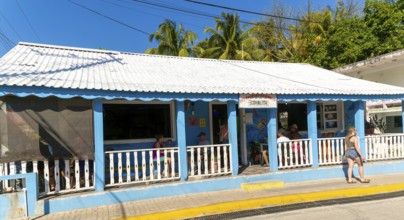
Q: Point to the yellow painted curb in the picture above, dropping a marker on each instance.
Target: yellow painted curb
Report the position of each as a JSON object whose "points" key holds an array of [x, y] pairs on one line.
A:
{"points": [[270, 201], [262, 185]]}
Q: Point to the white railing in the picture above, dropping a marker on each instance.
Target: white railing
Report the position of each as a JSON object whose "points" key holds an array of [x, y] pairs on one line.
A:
{"points": [[295, 153], [330, 150], [57, 176], [209, 160], [144, 165], [384, 147]]}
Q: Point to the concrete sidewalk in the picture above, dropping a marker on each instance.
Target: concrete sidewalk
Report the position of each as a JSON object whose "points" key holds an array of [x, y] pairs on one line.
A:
{"points": [[188, 206]]}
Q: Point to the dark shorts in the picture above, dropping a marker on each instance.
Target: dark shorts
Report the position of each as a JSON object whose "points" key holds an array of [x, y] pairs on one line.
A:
{"points": [[352, 154]]}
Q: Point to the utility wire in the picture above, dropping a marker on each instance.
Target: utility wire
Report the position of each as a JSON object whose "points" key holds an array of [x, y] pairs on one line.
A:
{"points": [[26, 19], [250, 12], [165, 6], [11, 26], [147, 13], [7, 43], [109, 18]]}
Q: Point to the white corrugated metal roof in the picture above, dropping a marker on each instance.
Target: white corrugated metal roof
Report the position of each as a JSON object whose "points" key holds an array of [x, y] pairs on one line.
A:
{"points": [[78, 68]]}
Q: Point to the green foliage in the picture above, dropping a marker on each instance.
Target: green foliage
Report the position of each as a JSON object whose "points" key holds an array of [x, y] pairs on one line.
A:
{"points": [[328, 38], [172, 41]]}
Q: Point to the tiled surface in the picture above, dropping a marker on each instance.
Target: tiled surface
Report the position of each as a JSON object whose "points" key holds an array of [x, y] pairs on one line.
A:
{"points": [[201, 199]]}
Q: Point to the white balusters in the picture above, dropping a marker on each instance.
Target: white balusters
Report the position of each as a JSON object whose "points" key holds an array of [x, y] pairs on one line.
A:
{"points": [[56, 175], [136, 167], [225, 158], [192, 162], [111, 169], [23, 166], [173, 163], [294, 153], [128, 178], [77, 173], [385, 147], [67, 174], [86, 174], [144, 166], [148, 165], [151, 165], [209, 160], [120, 168], [205, 160], [46, 175]]}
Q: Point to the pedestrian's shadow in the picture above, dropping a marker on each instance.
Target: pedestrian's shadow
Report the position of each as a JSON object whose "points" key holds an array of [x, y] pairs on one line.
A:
{"points": [[345, 170]]}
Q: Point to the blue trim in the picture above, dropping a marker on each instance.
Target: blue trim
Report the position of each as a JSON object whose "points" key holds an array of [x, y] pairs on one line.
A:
{"points": [[31, 180], [43, 92], [232, 129], [312, 130], [181, 140], [272, 144], [99, 145], [402, 114], [119, 196], [342, 97], [360, 124]]}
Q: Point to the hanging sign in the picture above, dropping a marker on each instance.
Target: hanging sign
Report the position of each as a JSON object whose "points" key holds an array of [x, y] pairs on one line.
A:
{"points": [[257, 101]]}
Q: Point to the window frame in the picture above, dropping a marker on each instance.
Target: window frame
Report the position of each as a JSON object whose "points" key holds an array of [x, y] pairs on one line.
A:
{"points": [[144, 140]]}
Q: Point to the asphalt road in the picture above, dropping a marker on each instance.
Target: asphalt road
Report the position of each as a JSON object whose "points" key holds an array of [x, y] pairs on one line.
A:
{"points": [[390, 209]]}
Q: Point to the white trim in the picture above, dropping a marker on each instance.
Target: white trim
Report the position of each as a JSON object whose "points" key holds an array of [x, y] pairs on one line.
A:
{"points": [[145, 140]]}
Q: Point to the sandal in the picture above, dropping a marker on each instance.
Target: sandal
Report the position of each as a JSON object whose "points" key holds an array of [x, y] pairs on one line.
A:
{"points": [[351, 181], [365, 181]]}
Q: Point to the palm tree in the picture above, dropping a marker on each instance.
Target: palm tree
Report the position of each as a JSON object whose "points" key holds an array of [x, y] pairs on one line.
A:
{"points": [[228, 40], [172, 41]]}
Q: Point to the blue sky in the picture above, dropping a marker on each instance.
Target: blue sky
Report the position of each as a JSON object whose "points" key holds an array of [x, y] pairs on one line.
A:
{"points": [[60, 22]]}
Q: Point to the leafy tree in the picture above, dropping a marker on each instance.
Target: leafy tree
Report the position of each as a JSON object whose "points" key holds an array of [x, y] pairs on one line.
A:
{"points": [[385, 19], [172, 41], [228, 40]]}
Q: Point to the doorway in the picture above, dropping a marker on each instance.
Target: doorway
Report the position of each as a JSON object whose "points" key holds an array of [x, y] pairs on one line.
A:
{"points": [[218, 116]]}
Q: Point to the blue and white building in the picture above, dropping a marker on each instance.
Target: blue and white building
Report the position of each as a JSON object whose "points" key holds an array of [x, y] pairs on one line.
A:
{"points": [[82, 120]]}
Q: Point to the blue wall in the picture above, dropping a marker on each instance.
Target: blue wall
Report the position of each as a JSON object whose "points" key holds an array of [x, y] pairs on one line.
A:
{"points": [[181, 188], [201, 110], [349, 114]]}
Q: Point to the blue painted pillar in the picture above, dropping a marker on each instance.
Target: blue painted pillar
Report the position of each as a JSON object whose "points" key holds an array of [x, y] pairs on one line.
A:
{"points": [[181, 140], [272, 145], [312, 130], [232, 129], [360, 124], [402, 113], [99, 145]]}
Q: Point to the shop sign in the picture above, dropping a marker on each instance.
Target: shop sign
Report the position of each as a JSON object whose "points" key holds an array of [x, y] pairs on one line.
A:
{"points": [[257, 101]]}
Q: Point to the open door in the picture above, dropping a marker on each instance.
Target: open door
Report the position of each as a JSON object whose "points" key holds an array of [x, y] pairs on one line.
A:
{"points": [[218, 117]]}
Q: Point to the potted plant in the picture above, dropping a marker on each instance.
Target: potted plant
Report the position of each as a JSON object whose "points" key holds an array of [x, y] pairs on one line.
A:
{"points": [[379, 124], [369, 127]]}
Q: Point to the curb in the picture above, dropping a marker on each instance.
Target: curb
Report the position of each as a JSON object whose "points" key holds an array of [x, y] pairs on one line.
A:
{"points": [[270, 201]]}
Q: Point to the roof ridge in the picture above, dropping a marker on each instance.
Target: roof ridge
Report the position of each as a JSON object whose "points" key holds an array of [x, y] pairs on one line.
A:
{"points": [[68, 48], [150, 55]]}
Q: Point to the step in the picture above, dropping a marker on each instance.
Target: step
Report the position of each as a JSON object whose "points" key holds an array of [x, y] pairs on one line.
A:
{"points": [[271, 184]]}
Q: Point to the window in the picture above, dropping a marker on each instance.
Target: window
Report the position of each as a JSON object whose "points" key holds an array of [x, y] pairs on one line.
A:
{"points": [[398, 121], [136, 121], [328, 115], [290, 114]]}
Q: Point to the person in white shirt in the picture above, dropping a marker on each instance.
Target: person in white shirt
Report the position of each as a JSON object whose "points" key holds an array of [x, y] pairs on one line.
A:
{"points": [[281, 137]]}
